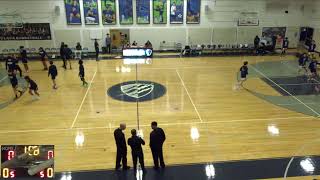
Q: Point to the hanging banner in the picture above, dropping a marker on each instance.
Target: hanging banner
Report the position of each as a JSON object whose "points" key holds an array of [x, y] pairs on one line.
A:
{"points": [[73, 13], [91, 13], [143, 11], [108, 8], [176, 11], [160, 11], [28, 31], [193, 11], [125, 12]]}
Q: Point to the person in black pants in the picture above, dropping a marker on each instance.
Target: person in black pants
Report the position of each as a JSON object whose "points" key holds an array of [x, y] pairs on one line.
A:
{"points": [[121, 147], [53, 72], [12, 64], [68, 55], [256, 42], [62, 55], [135, 143], [33, 88], [96, 47], [285, 45], [81, 73], [14, 83], [108, 43], [157, 138], [24, 58]]}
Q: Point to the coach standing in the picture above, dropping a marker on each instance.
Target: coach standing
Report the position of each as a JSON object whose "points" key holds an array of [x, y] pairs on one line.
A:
{"points": [[121, 147], [157, 138]]}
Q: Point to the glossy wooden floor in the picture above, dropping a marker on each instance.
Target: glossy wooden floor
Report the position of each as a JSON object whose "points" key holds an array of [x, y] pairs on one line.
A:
{"points": [[232, 125]]}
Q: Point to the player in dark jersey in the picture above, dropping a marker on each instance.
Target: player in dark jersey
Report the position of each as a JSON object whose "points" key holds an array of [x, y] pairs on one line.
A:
{"points": [[285, 45], [81, 73], [53, 72], [24, 58], [243, 74], [33, 88], [12, 64], [43, 55], [313, 69], [14, 82], [303, 59], [68, 54]]}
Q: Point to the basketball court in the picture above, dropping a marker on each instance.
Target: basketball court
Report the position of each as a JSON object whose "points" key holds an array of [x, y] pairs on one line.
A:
{"points": [[205, 120], [175, 62]]}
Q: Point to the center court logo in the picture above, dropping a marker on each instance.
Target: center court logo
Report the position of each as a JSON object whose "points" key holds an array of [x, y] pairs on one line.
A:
{"points": [[132, 91]]}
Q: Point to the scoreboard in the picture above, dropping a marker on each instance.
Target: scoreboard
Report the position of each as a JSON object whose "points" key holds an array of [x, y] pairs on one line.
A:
{"points": [[27, 161]]}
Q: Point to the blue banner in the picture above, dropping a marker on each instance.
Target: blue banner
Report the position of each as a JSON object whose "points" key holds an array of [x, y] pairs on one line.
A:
{"points": [[193, 11], [125, 12], [143, 11], [73, 13], [91, 13], [176, 11]]}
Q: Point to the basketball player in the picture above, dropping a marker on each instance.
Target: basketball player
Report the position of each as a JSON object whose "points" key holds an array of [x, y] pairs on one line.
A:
{"points": [[313, 69], [12, 64], [68, 54], [24, 58], [33, 88], [243, 74], [53, 72], [43, 54], [14, 83], [285, 45], [81, 73], [302, 63]]}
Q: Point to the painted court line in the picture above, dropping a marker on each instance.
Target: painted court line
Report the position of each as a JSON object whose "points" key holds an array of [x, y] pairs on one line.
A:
{"points": [[296, 84], [292, 104], [185, 88], [109, 126], [286, 91], [84, 97], [5, 77]]}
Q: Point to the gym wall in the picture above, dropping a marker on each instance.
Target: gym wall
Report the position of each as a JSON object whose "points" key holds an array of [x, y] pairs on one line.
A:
{"points": [[218, 23]]}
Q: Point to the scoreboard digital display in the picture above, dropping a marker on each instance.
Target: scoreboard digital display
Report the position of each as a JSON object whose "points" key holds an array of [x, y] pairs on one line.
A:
{"points": [[137, 52], [27, 161]]}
